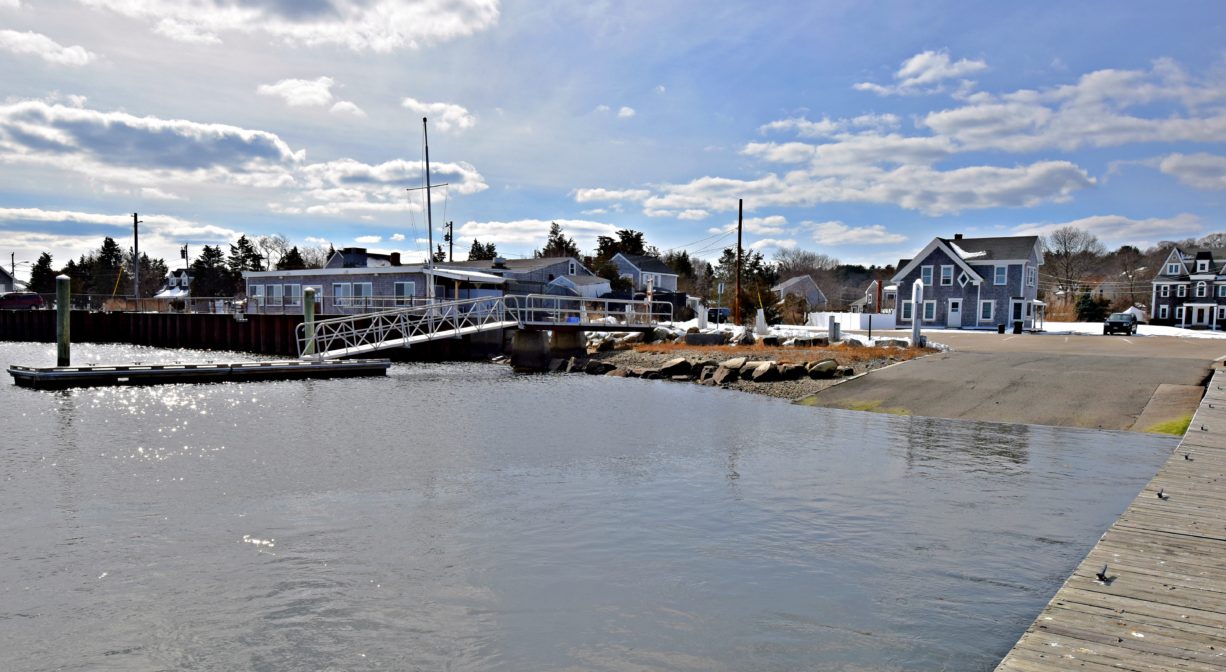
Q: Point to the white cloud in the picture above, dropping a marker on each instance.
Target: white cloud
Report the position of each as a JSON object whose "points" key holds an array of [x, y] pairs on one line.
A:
{"points": [[1118, 229], [36, 44], [838, 233], [693, 214], [361, 25], [595, 211], [925, 72], [300, 92], [660, 89], [368, 240], [350, 187], [600, 195], [827, 127], [772, 244], [533, 232], [625, 112], [396, 237], [602, 108], [348, 107], [153, 193], [445, 116], [771, 225], [1203, 171]]}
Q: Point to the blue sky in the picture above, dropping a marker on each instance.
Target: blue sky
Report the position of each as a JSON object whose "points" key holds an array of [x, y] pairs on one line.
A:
{"points": [[858, 130]]}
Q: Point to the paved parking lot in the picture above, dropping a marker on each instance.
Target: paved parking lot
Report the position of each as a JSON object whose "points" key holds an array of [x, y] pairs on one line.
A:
{"points": [[1050, 379]]}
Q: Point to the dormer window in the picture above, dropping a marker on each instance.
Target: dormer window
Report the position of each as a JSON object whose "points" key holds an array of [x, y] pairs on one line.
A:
{"points": [[1172, 269], [1202, 266]]}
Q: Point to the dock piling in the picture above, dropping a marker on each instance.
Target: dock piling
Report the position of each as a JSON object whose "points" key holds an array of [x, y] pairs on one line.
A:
{"points": [[308, 320], [63, 313]]}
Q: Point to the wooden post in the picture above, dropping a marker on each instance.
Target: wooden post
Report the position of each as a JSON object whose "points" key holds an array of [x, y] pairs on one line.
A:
{"points": [[308, 320], [63, 314]]}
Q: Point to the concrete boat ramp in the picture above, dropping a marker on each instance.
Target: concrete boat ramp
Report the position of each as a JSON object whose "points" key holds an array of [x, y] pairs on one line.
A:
{"points": [[1162, 605], [62, 377]]}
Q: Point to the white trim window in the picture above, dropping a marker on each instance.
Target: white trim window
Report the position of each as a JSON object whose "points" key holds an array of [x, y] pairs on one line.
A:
{"points": [[986, 309], [1202, 266], [404, 292], [906, 310], [256, 293], [1221, 291], [1179, 312], [1181, 290], [570, 268], [1001, 275], [926, 275], [1172, 269], [293, 295], [947, 276], [1162, 313], [276, 295], [363, 292], [319, 296], [1164, 291], [963, 279], [341, 291], [930, 311], [1032, 276], [1221, 312], [1201, 290]]}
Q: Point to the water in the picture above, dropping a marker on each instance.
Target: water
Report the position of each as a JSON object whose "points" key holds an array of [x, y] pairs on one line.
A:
{"points": [[461, 517]]}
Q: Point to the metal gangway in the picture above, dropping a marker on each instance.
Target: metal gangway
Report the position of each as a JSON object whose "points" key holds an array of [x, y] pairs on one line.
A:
{"points": [[352, 335]]}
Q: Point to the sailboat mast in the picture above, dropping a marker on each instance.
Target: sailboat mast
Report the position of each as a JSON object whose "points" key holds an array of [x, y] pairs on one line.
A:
{"points": [[429, 219]]}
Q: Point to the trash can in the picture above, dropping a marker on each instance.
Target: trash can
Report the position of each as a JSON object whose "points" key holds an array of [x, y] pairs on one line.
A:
{"points": [[1017, 326], [1000, 328]]}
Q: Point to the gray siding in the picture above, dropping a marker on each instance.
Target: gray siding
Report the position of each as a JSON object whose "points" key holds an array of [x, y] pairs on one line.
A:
{"points": [[1001, 296]]}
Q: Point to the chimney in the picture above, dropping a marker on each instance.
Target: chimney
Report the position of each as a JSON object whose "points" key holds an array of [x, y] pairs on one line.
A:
{"points": [[395, 258], [957, 236]]}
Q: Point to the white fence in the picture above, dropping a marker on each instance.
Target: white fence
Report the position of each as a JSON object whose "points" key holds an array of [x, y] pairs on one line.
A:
{"points": [[853, 321]]}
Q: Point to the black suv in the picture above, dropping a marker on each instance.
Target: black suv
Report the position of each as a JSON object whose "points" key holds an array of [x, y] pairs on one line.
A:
{"points": [[1122, 322]]}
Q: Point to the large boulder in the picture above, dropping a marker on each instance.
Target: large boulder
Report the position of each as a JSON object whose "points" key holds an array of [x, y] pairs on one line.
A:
{"points": [[891, 343], [766, 372], [707, 372], [826, 368], [576, 365], [846, 371], [604, 345], [724, 375], [746, 338], [595, 367], [792, 371], [705, 339], [556, 365], [770, 341], [679, 366], [633, 337], [616, 373], [749, 366], [734, 363]]}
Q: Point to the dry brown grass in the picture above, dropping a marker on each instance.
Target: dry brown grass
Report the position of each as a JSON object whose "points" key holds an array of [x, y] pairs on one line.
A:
{"points": [[790, 355]]}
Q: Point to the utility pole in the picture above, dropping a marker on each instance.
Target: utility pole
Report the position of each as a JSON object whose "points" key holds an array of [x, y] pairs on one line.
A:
{"points": [[13, 265], [429, 221], [135, 256], [450, 238], [740, 206]]}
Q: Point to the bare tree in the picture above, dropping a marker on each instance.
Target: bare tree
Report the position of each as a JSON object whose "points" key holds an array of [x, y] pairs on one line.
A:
{"points": [[1071, 253], [315, 257], [275, 245], [792, 261]]}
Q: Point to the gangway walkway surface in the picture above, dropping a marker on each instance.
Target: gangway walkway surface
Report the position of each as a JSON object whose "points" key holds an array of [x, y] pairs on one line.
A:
{"points": [[411, 325], [1151, 594]]}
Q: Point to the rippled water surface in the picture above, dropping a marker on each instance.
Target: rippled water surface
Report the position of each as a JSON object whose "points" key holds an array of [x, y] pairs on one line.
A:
{"points": [[461, 517]]}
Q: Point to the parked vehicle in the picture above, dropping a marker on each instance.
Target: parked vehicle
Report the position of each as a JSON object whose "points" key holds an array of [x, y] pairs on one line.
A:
{"points": [[1120, 322], [20, 301]]}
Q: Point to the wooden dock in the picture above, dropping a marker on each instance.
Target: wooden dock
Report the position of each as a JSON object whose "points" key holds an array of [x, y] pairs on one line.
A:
{"points": [[62, 377], [1163, 604]]}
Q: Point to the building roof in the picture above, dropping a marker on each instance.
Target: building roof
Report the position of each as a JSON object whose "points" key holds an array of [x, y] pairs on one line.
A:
{"points": [[792, 282], [993, 249], [518, 265], [585, 279], [647, 264]]}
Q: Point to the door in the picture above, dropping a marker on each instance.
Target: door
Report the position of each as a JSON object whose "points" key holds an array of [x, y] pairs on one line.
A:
{"points": [[1017, 310], [953, 316], [1200, 318]]}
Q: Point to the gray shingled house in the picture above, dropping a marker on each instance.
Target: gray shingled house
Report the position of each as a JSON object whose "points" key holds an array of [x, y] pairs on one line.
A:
{"points": [[640, 269], [972, 283], [1190, 289], [805, 287]]}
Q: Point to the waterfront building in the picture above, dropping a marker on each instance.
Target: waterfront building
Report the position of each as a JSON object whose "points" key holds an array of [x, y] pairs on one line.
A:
{"points": [[1190, 289]]}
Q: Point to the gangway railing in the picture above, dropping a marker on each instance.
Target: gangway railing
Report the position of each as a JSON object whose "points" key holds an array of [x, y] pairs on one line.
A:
{"points": [[402, 327]]}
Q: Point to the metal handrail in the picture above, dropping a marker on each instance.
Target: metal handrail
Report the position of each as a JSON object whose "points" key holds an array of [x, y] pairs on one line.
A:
{"points": [[353, 334]]}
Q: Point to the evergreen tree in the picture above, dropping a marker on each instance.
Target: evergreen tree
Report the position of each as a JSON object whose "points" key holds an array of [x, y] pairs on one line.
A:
{"points": [[1089, 309], [291, 260], [628, 241], [558, 245], [480, 252], [105, 269], [42, 276], [440, 255], [243, 257], [210, 274], [609, 271]]}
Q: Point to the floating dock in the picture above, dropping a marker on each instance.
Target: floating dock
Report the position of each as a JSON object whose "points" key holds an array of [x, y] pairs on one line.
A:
{"points": [[1160, 604], [61, 377]]}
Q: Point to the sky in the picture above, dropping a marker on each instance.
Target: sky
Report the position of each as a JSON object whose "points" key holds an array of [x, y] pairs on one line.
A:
{"points": [[857, 130]]}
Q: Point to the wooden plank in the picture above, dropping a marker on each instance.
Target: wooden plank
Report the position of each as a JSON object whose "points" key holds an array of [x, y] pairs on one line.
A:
{"points": [[1165, 607]]}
